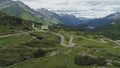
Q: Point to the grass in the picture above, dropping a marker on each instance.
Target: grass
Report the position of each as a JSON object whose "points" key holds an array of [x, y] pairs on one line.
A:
{"points": [[65, 58], [5, 30], [62, 60], [14, 40], [13, 49]]}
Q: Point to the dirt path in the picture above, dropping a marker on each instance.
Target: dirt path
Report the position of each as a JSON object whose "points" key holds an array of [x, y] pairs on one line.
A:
{"points": [[103, 41], [62, 41], [71, 44], [62, 38], [4, 36], [118, 44], [88, 39]]}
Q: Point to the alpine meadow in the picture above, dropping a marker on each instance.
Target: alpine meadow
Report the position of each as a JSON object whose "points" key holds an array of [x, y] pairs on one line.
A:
{"points": [[59, 34]]}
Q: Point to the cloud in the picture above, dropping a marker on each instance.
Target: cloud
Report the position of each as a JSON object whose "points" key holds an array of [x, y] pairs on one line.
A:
{"points": [[81, 8]]}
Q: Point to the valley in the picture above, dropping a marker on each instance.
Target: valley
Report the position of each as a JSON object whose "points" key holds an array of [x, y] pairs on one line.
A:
{"points": [[57, 55], [43, 38]]}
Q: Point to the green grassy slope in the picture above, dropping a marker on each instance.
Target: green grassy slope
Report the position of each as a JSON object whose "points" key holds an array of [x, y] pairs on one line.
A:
{"points": [[112, 30], [65, 56], [56, 56], [10, 24], [17, 11], [16, 49], [43, 50]]}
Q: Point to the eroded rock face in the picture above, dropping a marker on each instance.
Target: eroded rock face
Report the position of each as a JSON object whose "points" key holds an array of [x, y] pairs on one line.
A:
{"points": [[5, 3]]}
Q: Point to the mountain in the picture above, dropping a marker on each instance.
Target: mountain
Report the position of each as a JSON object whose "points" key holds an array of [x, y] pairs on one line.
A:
{"points": [[110, 29], [49, 16], [61, 19], [88, 24], [72, 21], [114, 16], [5, 3], [96, 23], [69, 20], [19, 9]]}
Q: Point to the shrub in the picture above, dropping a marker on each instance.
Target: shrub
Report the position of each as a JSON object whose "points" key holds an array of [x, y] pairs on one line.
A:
{"points": [[116, 64], [61, 66], [87, 60], [39, 53], [84, 60], [39, 37], [4, 62], [100, 61]]}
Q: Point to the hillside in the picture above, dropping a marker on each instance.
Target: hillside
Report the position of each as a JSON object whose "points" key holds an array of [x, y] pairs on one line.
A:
{"points": [[112, 30], [19, 9], [109, 26], [10, 24], [50, 17], [43, 50], [43, 39], [100, 22]]}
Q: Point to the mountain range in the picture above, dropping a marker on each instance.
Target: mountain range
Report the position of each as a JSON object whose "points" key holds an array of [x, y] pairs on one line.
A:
{"points": [[19, 9], [111, 30], [104, 21]]}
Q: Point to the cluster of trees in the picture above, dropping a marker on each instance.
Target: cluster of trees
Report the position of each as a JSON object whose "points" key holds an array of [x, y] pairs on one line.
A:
{"points": [[112, 30], [11, 56], [39, 53], [43, 40], [28, 50], [11, 24], [117, 64], [88, 60], [12, 21]]}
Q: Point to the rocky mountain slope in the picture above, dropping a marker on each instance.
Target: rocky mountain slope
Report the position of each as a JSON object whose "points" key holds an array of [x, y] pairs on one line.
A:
{"points": [[10, 24], [111, 30], [19, 9], [104, 21]]}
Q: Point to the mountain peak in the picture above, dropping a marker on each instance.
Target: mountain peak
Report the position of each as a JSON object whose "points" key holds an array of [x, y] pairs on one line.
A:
{"points": [[44, 12], [5, 1], [114, 16], [19, 2]]}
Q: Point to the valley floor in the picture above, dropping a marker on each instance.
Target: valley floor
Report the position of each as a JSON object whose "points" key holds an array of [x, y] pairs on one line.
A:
{"points": [[16, 50]]}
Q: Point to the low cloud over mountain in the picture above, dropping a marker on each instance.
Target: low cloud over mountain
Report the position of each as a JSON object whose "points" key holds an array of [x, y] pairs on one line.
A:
{"points": [[81, 8]]}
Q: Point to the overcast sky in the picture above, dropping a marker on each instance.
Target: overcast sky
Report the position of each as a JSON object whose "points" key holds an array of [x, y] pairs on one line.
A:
{"points": [[81, 8]]}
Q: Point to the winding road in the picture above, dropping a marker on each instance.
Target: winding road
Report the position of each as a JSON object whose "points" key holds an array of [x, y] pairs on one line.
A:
{"points": [[4, 36], [103, 41], [118, 44], [87, 38], [62, 38]]}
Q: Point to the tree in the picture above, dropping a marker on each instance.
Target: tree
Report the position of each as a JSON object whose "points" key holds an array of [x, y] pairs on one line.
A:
{"points": [[100, 61], [39, 53], [84, 60], [117, 64]]}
